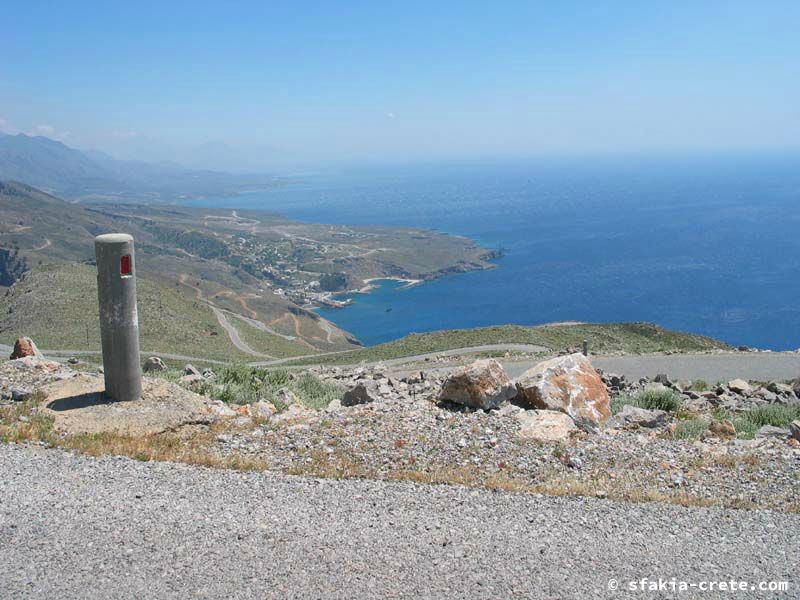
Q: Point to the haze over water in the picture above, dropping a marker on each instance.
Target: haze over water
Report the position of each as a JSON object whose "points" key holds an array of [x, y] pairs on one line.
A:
{"points": [[704, 245]]}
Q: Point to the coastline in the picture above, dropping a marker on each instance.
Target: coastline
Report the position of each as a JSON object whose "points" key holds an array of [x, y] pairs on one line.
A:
{"points": [[369, 287]]}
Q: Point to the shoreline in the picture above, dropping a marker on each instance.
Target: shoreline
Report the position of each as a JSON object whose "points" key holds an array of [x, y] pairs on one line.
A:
{"points": [[369, 287]]}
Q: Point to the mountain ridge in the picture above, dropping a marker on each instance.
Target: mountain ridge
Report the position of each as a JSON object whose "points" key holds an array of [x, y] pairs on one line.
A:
{"points": [[50, 164]]}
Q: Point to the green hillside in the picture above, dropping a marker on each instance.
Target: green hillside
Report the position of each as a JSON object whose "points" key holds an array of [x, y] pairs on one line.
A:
{"points": [[56, 305], [602, 337]]}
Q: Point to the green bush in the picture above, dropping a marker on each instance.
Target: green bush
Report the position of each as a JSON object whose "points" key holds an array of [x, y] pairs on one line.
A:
{"points": [[241, 384], [316, 393], [777, 415], [650, 399], [690, 429], [699, 385]]}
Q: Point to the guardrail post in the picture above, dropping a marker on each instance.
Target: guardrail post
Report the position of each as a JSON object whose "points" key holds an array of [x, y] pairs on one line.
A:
{"points": [[119, 319], [586, 347]]}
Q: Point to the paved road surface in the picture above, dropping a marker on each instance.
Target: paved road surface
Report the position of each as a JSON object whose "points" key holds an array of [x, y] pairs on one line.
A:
{"points": [[79, 527], [233, 333], [711, 367]]}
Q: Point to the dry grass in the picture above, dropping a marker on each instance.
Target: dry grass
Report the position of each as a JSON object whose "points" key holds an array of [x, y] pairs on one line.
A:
{"points": [[729, 461], [340, 466], [196, 446], [21, 423]]}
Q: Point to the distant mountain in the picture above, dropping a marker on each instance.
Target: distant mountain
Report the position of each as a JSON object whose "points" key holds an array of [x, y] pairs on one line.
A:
{"points": [[92, 175], [43, 162]]}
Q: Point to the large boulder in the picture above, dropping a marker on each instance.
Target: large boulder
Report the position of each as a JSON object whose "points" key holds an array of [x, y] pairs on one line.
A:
{"points": [[568, 384], [545, 425], [23, 347], [483, 384]]}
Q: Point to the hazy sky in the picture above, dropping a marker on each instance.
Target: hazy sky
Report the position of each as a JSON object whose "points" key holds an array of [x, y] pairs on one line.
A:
{"points": [[279, 84]]}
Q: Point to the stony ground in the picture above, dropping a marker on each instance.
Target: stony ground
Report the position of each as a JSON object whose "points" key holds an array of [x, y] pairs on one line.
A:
{"points": [[80, 527], [422, 441], [405, 434]]}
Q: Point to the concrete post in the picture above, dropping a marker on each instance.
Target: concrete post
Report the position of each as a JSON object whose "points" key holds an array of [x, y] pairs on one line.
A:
{"points": [[586, 347], [119, 319]]}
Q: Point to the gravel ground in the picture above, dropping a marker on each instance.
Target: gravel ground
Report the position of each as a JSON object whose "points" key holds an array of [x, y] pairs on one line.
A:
{"points": [[395, 439], [79, 527]]}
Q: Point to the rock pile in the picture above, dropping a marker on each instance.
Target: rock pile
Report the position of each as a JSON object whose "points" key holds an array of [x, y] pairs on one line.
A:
{"points": [[734, 396]]}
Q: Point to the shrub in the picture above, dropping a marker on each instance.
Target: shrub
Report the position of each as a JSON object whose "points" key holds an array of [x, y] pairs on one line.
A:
{"points": [[316, 393], [778, 415], [699, 385], [690, 429], [649, 399], [658, 400], [241, 384]]}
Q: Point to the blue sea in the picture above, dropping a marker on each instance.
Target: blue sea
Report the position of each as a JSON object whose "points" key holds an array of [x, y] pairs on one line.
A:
{"points": [[703, 244]]}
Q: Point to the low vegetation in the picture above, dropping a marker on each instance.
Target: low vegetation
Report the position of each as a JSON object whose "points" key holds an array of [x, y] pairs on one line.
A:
{"points": [[56, 305], [241, 384], [664, 399]]}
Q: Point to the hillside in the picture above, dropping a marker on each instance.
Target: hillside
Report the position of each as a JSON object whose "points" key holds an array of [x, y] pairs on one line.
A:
{"points": [[635, 338], [77, 174], [262, 270], [56, 305]]}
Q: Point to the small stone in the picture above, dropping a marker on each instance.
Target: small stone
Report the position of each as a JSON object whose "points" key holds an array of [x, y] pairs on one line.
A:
{"points": [[722, 429], [663, 380], [191, 370], [740, 386], [286, 397], [794, 429], [20, 394], [634, 416], [545, 425], [769, 431], [262, 409], [363, 393], [154, 364]]}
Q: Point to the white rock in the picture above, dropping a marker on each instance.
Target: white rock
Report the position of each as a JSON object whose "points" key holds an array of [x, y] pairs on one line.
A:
{"points": [[545, 425]]}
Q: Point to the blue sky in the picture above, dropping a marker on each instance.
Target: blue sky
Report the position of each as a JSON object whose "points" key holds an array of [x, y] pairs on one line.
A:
{"points": [[282, 84]]}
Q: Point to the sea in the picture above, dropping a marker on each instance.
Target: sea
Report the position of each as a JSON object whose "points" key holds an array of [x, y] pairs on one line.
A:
{"points": [[706, 244]]}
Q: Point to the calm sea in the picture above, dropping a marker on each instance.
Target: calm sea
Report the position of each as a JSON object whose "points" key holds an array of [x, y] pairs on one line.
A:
{"points": [[708, 245]]}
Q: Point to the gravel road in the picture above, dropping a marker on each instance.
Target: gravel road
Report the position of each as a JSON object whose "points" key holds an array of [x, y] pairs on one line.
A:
{"points": [[79, 527]]}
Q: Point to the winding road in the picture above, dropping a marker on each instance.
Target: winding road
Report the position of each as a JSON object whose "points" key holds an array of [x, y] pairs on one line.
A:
{"points": [[754, 366]]}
